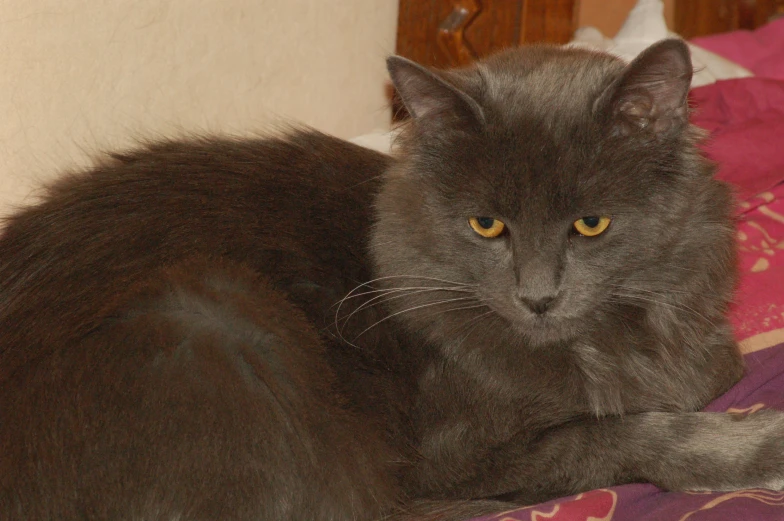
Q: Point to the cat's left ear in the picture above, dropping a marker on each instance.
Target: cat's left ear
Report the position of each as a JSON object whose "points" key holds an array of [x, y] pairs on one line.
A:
{"points": [[431, 96], [650, 95]]}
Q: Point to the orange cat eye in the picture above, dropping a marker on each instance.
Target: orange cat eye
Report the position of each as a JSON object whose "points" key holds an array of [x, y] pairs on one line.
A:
{"points": [[487, 226], [591, 226]]}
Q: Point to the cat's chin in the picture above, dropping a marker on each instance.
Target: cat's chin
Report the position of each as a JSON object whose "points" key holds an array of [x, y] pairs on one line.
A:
{"points": [[545, 330]]}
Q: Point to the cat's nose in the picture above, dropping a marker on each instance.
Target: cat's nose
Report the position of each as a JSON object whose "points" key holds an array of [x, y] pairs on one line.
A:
{"points": [[538, 305]]}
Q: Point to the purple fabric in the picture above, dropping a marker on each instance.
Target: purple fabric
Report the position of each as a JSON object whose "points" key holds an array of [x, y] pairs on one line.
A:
{"points": [[763, 386]]}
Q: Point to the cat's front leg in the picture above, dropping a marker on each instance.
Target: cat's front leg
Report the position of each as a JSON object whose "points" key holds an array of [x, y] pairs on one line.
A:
{"points": [[676, 451]]}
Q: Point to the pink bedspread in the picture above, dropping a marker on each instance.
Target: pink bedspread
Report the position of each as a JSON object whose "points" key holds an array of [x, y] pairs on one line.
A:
{"points": [[761, 51], [746, 121]]}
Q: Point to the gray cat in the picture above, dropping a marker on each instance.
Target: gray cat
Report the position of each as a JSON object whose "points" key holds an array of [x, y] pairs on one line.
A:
{"points": [[527, 301]]}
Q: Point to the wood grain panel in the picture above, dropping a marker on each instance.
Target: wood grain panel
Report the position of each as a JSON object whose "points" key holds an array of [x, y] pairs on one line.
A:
{"points": [[497, 27], [704, 17], [417, 27], [552, 21], [700, 17], [451, 32]]}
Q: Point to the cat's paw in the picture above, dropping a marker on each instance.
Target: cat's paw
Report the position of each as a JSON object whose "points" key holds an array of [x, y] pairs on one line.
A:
{"points": [[738, 451], [767, 443]]}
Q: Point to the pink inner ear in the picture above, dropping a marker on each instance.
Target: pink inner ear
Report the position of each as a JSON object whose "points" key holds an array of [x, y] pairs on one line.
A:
{"points": [[633, 113], [651, 94], [641, 113], [639, 107]]}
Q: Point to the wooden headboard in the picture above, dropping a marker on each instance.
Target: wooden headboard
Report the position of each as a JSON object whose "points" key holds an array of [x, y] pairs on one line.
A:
{"points": [[703, 17], [445, 33]]}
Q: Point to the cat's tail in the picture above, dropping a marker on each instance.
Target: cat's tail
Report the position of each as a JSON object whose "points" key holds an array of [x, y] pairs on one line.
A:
{"points": [[448, 510]]}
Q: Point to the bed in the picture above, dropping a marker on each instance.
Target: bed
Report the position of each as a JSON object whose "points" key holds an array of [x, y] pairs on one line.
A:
{"points": [[738, 96]]}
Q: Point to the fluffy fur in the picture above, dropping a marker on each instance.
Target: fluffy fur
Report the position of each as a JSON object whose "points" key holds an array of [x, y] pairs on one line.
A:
{"points": [[299, 328]]}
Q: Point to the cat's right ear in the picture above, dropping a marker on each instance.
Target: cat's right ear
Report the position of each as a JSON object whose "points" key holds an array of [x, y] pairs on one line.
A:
{"points": [[429, 97], [650, 96]]}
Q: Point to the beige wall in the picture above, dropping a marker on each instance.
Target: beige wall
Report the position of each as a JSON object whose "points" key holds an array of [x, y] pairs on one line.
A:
{"points": [[78, 76], [608, 15]]}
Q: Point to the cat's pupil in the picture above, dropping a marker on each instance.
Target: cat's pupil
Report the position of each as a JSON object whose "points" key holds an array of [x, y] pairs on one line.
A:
{"points": [[591, 222], [487, 222]]}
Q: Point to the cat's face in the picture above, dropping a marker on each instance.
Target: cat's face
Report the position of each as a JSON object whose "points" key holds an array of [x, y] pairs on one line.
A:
{"points": [[541, 211]]}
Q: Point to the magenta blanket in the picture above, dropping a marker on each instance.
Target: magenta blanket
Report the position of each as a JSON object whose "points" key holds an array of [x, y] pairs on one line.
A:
{"points": [[761, 51], [746, 121]]}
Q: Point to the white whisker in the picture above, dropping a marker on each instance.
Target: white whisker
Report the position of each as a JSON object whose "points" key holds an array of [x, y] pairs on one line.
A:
{"points": [[680, 307], [367, 284], [382, 299], [436, 303], [659, 293]]}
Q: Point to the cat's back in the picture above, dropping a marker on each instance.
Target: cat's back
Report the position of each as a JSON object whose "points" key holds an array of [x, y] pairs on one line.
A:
{"points": [[160, 354], [279, 205]]}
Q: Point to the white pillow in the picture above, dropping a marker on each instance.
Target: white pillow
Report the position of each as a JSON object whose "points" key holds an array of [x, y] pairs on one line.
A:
{"points": [[644, 26]]}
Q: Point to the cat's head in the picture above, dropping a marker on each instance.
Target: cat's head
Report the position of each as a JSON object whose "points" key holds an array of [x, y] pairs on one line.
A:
{"points": [[544, 191]]}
